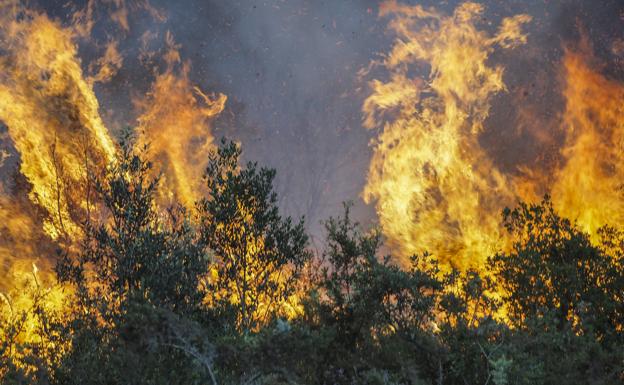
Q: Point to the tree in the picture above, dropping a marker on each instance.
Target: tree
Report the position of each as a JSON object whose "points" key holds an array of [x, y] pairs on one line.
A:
{"points": [[259, 255], [30, 345], [562, 294], [555, 271], [138, 287], [471, 340], [136, 252], [380, 314]]}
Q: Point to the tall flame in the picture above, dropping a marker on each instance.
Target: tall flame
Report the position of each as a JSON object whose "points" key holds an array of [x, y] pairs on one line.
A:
{"points": [[588, 187], [175, 121], [51, 114], [434, 186]]}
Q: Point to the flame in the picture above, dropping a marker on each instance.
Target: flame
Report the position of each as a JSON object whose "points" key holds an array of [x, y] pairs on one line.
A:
{"points": [[51, 114], [118, 11], [435, 188], [257, 271], [108, 65], [433, 185], [588, 187], [21, 241], [176, 122], [22, 327]]}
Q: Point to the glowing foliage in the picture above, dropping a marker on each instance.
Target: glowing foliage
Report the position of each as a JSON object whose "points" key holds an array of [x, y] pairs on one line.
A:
{"points": [[29, 339], [136, 252], [258, 255]]}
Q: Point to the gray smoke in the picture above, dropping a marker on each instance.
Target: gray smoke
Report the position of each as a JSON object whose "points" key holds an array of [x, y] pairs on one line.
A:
{"points": [[289, 68]]}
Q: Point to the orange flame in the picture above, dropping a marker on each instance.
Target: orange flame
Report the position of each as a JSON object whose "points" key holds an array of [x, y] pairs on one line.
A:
{"points": [[175, 121], [588, 187], [434, 187], [51, 114]]}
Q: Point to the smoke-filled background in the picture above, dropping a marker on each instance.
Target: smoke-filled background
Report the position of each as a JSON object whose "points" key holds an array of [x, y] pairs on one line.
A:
{"points": [[421, 112]]}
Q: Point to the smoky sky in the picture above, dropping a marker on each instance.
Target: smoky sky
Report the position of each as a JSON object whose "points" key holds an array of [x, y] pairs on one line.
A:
{"points": [[290, 71]]}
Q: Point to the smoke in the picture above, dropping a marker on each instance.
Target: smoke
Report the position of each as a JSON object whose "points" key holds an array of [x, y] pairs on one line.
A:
{"points": [[296, 74], [290, 71], [289, 68]]}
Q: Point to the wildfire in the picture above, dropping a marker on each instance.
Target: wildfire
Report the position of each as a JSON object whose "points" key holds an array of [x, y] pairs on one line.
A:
{"points": [[434, 185], [51, 114], [53, 123], [175, 121], [52, 117], [588, 186], [18, 306]]}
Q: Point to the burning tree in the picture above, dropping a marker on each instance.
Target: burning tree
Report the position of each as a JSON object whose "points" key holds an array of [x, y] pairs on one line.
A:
{"points": [[138, 285], [259, 255], [554, 272]]}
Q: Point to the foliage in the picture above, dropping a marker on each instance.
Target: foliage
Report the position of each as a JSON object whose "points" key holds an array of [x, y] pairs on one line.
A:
{"points": [[135, 253], [555, 270], [137, 282], [564, 296], [30, 345], [259, 254], [231, 295], [376, 313]]}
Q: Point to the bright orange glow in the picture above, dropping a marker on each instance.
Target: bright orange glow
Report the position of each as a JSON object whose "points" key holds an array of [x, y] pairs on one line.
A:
{"points": [[588, 187], [52, 115], [435, 188], [176, 122], [51, 112], [433, 185]]}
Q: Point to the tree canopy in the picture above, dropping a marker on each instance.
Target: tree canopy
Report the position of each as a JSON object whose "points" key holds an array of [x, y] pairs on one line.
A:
{"points": [[229, 292]]}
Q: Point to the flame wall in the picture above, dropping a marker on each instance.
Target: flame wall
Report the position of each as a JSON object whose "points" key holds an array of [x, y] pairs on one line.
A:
{"points": [[467, 106], [55, 134], [435, 186]]}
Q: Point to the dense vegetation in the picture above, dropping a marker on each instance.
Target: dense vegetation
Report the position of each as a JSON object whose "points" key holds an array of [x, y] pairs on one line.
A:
{"points": [[229, 293]]}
